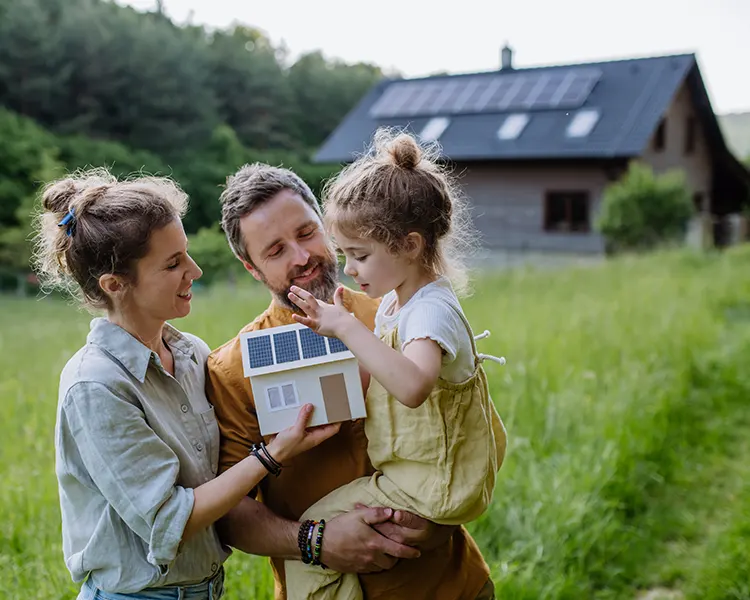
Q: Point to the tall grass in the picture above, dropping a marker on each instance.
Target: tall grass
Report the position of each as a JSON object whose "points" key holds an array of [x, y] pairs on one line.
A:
{"points": [[625, 386]]}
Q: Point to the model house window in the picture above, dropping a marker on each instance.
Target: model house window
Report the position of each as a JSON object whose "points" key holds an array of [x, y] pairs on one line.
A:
{"points": [[513, 126], [282, 396], [660, 138], [690, 133], [566, 212]]}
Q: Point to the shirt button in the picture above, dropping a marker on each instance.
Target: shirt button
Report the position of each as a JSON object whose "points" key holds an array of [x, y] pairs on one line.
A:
{"points": [[214, 566], [199, 447], [184, 408]]}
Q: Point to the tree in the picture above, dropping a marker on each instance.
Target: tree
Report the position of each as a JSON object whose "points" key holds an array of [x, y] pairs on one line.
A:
{"points": [[325, 92], [642, 211], [28, 158], [252, 89]]}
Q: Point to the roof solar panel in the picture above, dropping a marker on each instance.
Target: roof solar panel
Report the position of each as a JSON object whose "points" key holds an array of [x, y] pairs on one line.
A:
{"points": [[259, 351], [313, 345], [337, 345], [558, 88], [285, 346]]}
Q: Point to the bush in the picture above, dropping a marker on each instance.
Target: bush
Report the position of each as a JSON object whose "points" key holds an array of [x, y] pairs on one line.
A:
{"points": [[210, 249], [643, 211]]}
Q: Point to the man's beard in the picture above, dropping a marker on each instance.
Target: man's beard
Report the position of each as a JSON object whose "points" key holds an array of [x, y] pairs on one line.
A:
{"points": [[322, 287]]}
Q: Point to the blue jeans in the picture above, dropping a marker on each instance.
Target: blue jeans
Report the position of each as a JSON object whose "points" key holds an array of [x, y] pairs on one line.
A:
{"points": [[208, 590]]}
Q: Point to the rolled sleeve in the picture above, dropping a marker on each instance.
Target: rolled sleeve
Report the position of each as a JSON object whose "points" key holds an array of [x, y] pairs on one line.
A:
{"points": [[232, 398], [133, 469]]}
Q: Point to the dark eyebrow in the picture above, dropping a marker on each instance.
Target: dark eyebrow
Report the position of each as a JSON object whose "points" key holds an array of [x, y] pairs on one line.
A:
{"points": [[279, 240], [271, 245], [307, 224]]}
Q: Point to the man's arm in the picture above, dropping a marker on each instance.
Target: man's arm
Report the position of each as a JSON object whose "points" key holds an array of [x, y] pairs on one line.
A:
{"points": [[350, 545]]}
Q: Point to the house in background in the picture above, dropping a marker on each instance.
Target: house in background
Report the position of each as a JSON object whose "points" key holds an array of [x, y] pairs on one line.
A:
{"points": [[535, 148]]}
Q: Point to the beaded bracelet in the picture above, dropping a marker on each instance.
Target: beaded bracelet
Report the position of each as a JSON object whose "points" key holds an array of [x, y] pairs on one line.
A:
{"points": [[319, 544], [304, 534]]}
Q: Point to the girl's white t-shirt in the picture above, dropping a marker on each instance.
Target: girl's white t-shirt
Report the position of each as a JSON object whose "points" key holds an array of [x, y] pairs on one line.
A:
{"points": [[430, 314]]}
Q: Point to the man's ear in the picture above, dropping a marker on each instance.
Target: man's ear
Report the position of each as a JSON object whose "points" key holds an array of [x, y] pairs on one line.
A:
{"points": [[252, 270]]}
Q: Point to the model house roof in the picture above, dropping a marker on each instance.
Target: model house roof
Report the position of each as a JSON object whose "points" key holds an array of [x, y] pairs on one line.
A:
{"points": [[596, 110], [288, 347]]}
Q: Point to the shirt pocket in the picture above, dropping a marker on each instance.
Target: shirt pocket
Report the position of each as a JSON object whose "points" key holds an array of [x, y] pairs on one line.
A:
{"points": [[213, 437]]}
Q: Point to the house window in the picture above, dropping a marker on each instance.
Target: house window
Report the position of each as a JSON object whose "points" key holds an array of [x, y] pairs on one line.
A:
{"points": [[434, 128], [513, 126], [690, 133], [660, 138], [698, 201], [566, 212], [582, 124]]}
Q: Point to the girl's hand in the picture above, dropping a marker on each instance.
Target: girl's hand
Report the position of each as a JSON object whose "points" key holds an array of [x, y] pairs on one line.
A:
{"points": [[323, 318], [298, 438]]}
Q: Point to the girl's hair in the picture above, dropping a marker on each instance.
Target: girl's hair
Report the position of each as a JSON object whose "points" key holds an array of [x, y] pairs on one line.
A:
{"points": [[399, 187], [111, 224]]}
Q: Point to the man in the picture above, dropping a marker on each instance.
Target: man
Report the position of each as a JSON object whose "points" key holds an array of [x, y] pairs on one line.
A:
{"points": [[273, 224]]}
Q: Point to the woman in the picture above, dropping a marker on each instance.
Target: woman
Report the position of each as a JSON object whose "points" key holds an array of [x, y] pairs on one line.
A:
{"points": [[136, 440]]}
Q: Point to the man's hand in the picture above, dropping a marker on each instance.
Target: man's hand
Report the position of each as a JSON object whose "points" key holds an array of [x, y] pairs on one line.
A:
{"points": [[412, 530], [350, 545]]}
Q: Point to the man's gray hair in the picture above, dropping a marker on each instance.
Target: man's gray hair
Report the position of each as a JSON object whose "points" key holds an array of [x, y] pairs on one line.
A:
{"points": [[250, 187]]}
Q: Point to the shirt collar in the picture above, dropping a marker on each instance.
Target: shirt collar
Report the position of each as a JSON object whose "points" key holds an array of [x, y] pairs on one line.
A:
{"points": [[130, 352]]}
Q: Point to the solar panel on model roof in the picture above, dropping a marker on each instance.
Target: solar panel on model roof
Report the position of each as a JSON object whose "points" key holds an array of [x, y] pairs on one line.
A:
{"points": [[259, 351]]}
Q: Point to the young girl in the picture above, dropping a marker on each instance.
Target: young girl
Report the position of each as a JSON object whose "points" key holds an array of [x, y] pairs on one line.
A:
{"points": [[434, 436]]}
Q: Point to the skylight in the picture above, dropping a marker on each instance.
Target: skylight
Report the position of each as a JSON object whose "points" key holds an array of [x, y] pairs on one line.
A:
{"points": [[584, 121], [513, 126], [434, 128]]}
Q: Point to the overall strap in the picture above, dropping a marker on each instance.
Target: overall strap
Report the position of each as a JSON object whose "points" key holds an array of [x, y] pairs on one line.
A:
{"points": [[478, 356]]}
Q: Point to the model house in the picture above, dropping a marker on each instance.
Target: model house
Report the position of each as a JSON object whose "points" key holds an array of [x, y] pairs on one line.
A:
{"points": [[290, 366]]}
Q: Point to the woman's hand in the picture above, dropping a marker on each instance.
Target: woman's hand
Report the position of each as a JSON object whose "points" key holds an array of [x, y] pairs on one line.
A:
{"points": [[323, 318], [298, 438]]}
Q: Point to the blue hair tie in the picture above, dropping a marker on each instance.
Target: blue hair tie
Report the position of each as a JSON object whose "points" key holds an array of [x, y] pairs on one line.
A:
{"points": [[70, 221]]}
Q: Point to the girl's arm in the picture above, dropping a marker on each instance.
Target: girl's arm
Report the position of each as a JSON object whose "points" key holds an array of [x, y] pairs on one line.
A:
{"points": [[409, 376]]}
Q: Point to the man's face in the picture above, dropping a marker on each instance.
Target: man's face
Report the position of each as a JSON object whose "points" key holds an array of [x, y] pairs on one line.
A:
{"points": [[286, 242]]}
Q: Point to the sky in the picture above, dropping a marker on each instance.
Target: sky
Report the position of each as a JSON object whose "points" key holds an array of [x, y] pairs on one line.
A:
{"points": [[417, 38]]}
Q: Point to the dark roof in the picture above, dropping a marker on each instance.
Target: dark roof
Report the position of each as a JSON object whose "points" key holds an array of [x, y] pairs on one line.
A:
{"points": [[631, 97]]}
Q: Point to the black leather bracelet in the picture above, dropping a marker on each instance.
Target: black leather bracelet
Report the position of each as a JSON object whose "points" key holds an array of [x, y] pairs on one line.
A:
{"points": [[270, 458], [256, 451]]}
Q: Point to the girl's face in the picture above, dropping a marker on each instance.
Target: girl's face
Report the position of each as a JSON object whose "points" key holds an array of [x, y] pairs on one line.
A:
{"points": [[372, 265]]}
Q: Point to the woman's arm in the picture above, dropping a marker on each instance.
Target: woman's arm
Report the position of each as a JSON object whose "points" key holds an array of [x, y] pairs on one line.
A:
{"points": [[136, 471], [215, 498]]}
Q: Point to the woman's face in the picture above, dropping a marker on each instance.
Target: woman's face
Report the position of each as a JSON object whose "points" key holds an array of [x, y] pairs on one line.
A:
{"points": [[163, 277]]}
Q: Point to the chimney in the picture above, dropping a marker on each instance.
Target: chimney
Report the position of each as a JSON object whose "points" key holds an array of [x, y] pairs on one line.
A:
{"points": [[506, 57]]}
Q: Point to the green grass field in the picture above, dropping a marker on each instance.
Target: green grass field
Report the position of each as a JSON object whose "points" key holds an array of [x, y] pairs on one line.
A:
{"points": [[625, 397]]}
